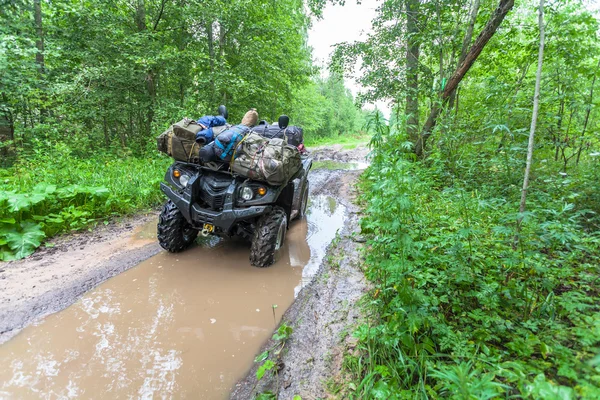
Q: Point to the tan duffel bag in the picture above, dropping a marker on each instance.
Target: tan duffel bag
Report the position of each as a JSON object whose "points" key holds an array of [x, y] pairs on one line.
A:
{"points": [[179, 141]]}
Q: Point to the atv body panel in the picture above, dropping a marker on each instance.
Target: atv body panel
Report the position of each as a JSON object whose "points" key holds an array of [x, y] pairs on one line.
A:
{"points": [[213, 198]]}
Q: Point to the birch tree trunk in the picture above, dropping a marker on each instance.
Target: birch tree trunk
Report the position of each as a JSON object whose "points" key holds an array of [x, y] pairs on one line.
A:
{"points": [[412, 70], [536, 102], [587, 115], [39, 29]]}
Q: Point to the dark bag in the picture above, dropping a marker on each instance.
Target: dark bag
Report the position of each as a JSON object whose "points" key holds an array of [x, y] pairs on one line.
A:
{"points": [[294, 134], [207, 153], [186, 129], [226, 142]]}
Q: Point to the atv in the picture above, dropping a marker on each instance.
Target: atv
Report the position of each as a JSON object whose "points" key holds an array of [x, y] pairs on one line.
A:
{"points": [[213, 201]]}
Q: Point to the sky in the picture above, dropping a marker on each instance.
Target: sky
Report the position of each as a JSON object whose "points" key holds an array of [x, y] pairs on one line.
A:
{"points": [[346, 23]]}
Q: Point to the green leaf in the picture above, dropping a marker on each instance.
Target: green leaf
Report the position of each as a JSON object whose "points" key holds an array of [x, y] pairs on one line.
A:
{"points": [[283, 333], [266, 396], [6, 255], [267, 366], [25, 242], [262, 357], [44, 188], [7, 221], [23, 201]]}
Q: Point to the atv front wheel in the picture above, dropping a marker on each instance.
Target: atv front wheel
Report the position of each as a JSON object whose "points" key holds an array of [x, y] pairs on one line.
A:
{"points": [[174, 232], [268, 238]]}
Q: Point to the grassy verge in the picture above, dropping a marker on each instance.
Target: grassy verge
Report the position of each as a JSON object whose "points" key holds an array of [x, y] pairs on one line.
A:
{"points": [[347, 141], [461, 310], [48, 194]]}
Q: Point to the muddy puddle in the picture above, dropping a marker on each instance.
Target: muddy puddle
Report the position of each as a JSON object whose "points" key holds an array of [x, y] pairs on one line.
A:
{"points": [[182, 325], [333, 165]]}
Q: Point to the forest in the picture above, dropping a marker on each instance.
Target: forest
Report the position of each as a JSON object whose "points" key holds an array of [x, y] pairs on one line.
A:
{"points": [[480, 206]]}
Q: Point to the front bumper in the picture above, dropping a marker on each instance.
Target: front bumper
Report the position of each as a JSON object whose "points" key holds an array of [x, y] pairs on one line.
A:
{"points": [[222, 220]]}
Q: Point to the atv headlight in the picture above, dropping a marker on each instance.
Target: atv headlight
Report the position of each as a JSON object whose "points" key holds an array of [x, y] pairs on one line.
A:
{"points": [[246, 193], [184, 179]]}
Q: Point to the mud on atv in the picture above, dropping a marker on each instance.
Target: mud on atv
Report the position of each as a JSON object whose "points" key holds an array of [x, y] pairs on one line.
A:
{"points": [[223, 204]]}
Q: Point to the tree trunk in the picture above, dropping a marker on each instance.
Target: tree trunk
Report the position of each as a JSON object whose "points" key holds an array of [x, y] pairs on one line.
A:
{"points": [[587, 115], [140, 15], [150, 78], [486, 34], [211, 58], [39, 55], [105, 130], [7, 136], [466, 42], [39, 29], [222, 43], [536, 102], [412, 70]]}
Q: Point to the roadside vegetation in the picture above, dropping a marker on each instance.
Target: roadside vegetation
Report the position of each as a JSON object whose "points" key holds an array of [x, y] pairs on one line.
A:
{"points": [[86, 87], [486, 284]]}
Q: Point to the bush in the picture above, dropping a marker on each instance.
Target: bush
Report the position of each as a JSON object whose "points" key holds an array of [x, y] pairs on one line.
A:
{"points": [[47, 194], [464, 306]]}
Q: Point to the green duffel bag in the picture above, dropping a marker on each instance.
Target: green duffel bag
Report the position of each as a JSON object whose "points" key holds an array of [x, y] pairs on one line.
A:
{"points": [[179, 148], [269, 160], [186, 129], [179, 141]]}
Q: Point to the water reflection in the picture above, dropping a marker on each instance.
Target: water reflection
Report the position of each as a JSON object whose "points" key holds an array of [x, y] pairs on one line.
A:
{"points": [[186, 325]]}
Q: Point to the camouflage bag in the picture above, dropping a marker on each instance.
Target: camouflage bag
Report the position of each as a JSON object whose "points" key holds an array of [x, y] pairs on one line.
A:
{"points": [[179, 141], [269, 160]]}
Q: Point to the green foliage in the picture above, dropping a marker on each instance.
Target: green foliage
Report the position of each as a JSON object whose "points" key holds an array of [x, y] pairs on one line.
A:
{"points": [[326, 111], [53, 194], [283, 333], [463, 305], [268, 365], [21, 241], [113, 76], [266, 396], [280, 337]]}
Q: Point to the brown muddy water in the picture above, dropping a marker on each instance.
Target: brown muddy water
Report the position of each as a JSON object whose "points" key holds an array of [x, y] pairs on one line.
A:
{"points": [[184, 325]]}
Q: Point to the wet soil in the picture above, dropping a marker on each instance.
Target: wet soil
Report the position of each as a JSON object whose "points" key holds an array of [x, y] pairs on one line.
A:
{"points": [[56, 275], [323, 315], [358, 155], [184, 325]]}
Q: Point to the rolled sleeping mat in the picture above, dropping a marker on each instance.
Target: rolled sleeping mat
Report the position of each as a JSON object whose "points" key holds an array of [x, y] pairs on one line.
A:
{"points": [[207, 153]]}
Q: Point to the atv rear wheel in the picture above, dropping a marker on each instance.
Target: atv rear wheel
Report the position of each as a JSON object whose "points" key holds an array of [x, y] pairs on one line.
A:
{"points": [[174, 232], [268, 238]]}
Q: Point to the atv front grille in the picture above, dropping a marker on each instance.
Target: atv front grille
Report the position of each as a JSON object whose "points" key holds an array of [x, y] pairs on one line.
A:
{"points": [[213, 201], [213, 191]]}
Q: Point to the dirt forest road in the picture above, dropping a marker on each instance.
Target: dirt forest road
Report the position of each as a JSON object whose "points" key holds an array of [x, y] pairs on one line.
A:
{"points": [[187, 324]]}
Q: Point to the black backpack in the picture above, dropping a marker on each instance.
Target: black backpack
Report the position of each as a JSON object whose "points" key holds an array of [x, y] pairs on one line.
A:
{"points": [[294, 134]]}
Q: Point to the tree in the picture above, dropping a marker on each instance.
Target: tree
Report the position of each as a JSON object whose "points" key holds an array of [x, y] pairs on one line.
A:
{"points": [[412, 69], [534, 115], [485, 35]]}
